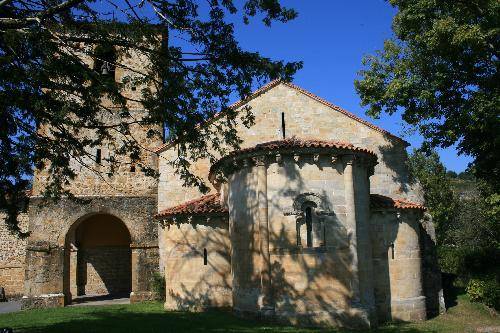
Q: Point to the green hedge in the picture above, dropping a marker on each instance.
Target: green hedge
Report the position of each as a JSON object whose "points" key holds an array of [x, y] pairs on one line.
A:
{"points": [[485, 290]]}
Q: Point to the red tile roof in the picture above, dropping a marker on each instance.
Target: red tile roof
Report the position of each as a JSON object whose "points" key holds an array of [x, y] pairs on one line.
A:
{"points": [[208, 204], [292, 143], [273, 84], [380, 201]]}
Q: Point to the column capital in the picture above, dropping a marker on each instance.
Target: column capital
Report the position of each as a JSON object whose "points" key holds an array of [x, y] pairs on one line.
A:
{"points": [[348, 159]]}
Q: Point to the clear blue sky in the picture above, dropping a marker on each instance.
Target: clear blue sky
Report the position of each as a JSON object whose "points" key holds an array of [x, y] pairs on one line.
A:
{"points": [[331, 37]]}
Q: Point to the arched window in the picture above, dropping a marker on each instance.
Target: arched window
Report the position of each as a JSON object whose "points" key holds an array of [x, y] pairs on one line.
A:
{"points": [[105, 60], [205, 257], [306, 230]]}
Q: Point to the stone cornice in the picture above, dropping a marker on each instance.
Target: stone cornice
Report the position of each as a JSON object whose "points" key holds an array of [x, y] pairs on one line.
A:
{"points": [[332, 152]]}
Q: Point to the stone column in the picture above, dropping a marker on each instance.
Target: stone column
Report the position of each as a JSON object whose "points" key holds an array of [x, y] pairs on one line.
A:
{"points": [[351, 226], [407, 296], [73, 273], [266, 303], [358, 243], [144, 262], [44, 278]]}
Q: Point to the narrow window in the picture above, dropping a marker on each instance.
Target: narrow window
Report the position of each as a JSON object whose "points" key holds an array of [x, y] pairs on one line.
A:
{"points": [[392, 250], [283, 125], [132, 168], [205, 257], [309, 226], [98, 156]]}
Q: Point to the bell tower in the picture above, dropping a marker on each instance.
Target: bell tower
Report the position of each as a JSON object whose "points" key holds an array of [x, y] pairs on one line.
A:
{"points": [[114, 191]]}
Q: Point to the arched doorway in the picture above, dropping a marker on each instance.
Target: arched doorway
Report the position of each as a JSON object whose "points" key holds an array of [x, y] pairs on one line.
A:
{"points": [[98, 258]]}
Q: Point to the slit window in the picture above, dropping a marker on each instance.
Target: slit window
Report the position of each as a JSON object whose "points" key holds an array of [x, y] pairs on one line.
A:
{"points": [[98, 156], [205, 257], [132, 168], [392, 250], [309, 227]]}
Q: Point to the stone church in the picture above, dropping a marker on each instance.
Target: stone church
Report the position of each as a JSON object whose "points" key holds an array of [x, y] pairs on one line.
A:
{"points": [[314, 221]]}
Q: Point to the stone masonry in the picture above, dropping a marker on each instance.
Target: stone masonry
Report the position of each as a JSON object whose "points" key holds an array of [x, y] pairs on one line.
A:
{"points": [[58, 267], [323, 223], [12, 258]]}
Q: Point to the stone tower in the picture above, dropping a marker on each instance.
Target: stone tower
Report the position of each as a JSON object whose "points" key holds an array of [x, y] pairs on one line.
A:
{"points": [[108, 244]]}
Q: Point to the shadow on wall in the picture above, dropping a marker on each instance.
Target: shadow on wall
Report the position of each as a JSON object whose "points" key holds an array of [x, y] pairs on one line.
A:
{"points": [[198, 266], [391, 155], [99, 261], [312, 282]]}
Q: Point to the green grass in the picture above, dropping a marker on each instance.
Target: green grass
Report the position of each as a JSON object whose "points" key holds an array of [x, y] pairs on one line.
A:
{"points": [[150, 317]]}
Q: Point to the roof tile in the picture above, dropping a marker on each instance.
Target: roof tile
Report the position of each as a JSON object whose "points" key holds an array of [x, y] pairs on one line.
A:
{"points": [[381, 201], [207, 204]]}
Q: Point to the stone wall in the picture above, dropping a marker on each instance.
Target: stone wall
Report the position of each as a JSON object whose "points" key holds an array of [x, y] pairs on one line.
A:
{"points": [[12, 257], [398, 277], [48, 256], [192, 283], [93, 178], [305, 117], [104, 270], [323, 278]]}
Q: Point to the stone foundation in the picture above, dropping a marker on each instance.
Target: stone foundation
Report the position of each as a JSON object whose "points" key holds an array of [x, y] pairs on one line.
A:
{"points": [[409, 309], [104, 270], [43, 301]]}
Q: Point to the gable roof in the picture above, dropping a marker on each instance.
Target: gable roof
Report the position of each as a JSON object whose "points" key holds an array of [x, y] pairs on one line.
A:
{"points": [[275, 83]]}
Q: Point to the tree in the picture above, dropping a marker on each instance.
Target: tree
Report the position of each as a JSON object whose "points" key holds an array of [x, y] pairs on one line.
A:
{"points": [[196, 64], [439, 197], [441, 70], [467, 226]]}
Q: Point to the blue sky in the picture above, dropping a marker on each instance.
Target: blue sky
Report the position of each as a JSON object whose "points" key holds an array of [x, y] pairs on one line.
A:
{"points": [[331, 37]]}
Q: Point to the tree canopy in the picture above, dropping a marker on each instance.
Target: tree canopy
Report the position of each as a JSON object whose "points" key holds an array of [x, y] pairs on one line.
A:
{"points": [[440, 69], [195, 65]]}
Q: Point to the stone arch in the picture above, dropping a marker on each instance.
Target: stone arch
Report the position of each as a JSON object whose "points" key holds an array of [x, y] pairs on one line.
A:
{"points": [[303, 198], [75, 221], [97, 256]]}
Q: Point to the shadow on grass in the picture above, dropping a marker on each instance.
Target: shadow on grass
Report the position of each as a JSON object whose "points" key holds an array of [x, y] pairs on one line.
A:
{"points": [[450, 290], [154, 319]]}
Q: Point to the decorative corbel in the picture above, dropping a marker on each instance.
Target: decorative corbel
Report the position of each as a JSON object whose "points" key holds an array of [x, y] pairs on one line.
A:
{"points": [[259, 160], [279, 159]]}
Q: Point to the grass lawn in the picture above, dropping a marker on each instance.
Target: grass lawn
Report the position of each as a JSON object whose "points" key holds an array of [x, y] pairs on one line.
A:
{"points": [[150, 317]]}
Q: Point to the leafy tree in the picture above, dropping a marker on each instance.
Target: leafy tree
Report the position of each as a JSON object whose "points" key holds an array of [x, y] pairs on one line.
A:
{"points": [[196, 65], [441, 70], [467, 226], [438, 193]]}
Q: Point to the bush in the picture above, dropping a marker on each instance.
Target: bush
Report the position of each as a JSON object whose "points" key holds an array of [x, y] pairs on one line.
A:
{"points": [[158, 286], [485, 290]]}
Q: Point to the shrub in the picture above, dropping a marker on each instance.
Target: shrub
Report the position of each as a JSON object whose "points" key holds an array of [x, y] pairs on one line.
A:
{"points": [[485, 290], [158, 286]]}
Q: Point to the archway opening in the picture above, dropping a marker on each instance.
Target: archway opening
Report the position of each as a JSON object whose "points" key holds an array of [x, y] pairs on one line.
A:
{"points": [[99, 258]]}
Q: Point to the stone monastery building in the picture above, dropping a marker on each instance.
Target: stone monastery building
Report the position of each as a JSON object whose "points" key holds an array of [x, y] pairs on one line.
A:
{"points": [[315, 221]]}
